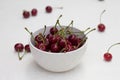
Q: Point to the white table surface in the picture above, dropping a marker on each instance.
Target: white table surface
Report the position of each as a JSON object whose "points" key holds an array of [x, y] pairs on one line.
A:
{"points": [[85, 13]]}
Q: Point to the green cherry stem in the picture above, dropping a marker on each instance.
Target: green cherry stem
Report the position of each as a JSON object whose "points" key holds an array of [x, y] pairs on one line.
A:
{"points": [[90, 31], [112, 46], [42, 37], [101, 15], [29, 32], [44, 30], [57, 22], [84, 37], [31, 35]]}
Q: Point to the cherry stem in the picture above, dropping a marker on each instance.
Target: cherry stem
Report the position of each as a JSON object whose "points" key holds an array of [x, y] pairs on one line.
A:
{"points": [[44, 30], [42, 37], [31, 35], [90, 31], [59, 7], [112, 46], [86, 29], [71, 23], [83, 40], [101, 15], [84, 37], [57, 22], [83, 31]]}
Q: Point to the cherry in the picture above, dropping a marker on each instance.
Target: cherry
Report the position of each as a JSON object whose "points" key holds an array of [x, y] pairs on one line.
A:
{"points": [[34, 12], [108, 56], [53, 30], [101, 26], [19, 47], [55, 48], [49, 36], [38, 39], [53, 39], [27, 48], [62, 43], [41, 46], [72, 38], [26, 14], [48, 9]]}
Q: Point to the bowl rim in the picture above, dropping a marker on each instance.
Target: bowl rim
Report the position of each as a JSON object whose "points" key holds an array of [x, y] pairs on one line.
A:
{"points": [[55, 53]]}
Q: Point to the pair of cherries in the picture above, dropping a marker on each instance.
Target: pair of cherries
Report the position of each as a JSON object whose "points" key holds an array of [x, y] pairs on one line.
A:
{"points": [[19, 47], [26, 14]]}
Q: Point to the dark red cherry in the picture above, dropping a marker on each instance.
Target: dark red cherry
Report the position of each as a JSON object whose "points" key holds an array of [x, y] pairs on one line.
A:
{"points": [[52, 39], [55, 48], [41, 46], [34, 12], [38, 39], [26, 14], [107, 56], [62, 43], [73, 39], [27, 48], [19, 47], [101, 27], [53, 30], [48, 9]]}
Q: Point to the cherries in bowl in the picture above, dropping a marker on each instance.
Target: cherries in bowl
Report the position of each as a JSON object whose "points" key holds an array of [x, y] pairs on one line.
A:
{"points": [[57, 61]]}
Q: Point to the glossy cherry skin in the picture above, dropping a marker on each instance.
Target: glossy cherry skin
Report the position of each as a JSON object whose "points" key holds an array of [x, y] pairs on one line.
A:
{"points": [[107, 56], [27, 48], [38, 39], [53, 30], [34, 12], [62, 43], [26, 14], [48, 9], [55, 48], [19, 47], [101, 27], [41, 46]]}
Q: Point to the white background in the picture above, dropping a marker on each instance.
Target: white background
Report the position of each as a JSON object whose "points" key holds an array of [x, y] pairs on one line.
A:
{"points": [[85, 13]]}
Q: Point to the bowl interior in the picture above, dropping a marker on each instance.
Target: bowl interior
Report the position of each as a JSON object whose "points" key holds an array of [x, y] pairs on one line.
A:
{"points": [[80, 34]]}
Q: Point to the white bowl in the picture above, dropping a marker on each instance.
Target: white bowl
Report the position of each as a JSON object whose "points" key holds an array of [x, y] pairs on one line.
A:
{"points": [[57, 62]]}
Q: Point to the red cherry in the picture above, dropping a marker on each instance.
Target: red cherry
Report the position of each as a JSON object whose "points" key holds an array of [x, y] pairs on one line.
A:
{"points": [[19, 47], [55, 48], [101, 27], [34, 12], [53, 30], [48, 9], [107, 56], [27, 48], [26, 14], [41, 46]]}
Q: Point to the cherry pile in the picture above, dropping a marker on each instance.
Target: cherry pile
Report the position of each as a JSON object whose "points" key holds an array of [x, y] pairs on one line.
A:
{"points": [[60, 40], [108, 56], [19, 47]]}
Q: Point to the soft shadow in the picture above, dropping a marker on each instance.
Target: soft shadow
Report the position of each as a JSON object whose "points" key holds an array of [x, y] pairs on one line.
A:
{"points": [[34, 71]]}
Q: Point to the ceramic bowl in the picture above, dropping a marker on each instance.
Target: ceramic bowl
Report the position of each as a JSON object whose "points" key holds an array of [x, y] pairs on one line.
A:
{"points": [[57, 62]]}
